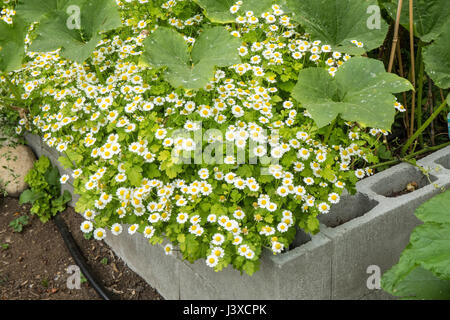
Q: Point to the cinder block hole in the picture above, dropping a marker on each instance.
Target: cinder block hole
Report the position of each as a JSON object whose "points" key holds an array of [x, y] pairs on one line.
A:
{"points": [[301, 237], [350, 207], [444, 161], [403, 181]]}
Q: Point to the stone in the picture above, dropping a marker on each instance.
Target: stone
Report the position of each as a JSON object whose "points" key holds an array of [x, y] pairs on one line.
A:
{"points": [[15, 162]]}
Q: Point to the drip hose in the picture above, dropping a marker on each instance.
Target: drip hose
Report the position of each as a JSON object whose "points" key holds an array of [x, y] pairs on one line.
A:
{"points": [[79, 258]]}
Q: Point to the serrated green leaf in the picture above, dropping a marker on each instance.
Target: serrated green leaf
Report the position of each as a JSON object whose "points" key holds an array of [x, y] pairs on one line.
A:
{"points": [[65, 162], [361, 91], [338, 22], [96, 17], [134, 176]]}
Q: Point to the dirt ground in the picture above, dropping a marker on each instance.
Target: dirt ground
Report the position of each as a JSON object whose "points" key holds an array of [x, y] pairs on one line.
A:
{"points": [[34, 262]]}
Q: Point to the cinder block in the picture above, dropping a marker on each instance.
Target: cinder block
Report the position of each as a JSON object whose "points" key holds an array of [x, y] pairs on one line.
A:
{"points": [[379, 236], [149, 261], [301, 273], [438, 162]]}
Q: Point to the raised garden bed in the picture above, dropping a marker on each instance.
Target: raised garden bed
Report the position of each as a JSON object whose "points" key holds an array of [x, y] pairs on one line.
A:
{"points": [[369, 228]]}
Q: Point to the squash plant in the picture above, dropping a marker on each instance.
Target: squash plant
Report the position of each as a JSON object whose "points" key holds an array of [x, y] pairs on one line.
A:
{"points": [[423, 271], [296, 116]]}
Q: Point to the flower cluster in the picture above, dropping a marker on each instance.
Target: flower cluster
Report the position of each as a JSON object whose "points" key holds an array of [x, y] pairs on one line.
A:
{"points": [[118, 121]]}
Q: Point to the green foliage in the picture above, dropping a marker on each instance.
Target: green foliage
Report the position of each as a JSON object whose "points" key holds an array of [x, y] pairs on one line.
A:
{"points": [[338, 22], [219, 10], [423, 271], [431, 17], [77, 44], [435, 56], [115, 117], [18, 224], [12, 39], [45, 190], [361, 92], [167, 48]]}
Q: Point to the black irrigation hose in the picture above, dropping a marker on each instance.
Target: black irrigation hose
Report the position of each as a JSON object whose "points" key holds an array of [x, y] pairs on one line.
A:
{"points": [[79, 258]]}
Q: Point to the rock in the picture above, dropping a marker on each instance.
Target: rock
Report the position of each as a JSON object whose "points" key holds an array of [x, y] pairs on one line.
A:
{"points": [[15, 162]]}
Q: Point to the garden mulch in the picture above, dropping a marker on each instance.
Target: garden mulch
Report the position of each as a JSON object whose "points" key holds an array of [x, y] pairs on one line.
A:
{"points": [[34, 262]]}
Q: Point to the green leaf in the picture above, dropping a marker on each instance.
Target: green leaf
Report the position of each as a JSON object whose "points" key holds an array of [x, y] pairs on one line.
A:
{"points": [[12, 39], [250, 267], [361, 91], [167, 48], [436, 209], [29, 196], [96, 17], [135, 177], [435, 57], [431, 17], [419, 283], [219, 10], [52, 176], [33, 10], [42, 164], [181, 238], [173, 171], [65, 162], [74, 156], [338, 22]]}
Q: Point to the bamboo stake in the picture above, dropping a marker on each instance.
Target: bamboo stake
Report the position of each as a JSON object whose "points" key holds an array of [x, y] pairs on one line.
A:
{"points": [[413, 67], [395, 38]]}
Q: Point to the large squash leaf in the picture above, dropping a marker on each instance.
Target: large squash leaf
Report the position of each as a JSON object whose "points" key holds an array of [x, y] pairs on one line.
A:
{"points": [[431, 17], [96, 17], [12, 44], [338, 22], [437, 63], [34, 10], [423, 271], [219, 10], [361, 91], [417, 283], [167, 48]]}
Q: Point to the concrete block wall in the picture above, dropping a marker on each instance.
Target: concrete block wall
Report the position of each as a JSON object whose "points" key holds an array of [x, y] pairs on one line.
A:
{"points": [[369, 228]]}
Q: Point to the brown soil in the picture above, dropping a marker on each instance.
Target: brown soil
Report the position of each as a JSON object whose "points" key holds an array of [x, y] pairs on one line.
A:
{"points": [[34, 262]]}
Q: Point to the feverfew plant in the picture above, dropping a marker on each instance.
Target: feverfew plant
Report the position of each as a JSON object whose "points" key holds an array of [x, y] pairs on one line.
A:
{"points": [[116, 118]]}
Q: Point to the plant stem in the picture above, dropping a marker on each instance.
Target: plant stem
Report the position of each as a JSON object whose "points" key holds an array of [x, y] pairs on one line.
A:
{"points": [[431, 105], [99, 75], [395, 38], [13, 88], [423, 127], [420, 93], [330, 129], [410, 156], [405, 102]]}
